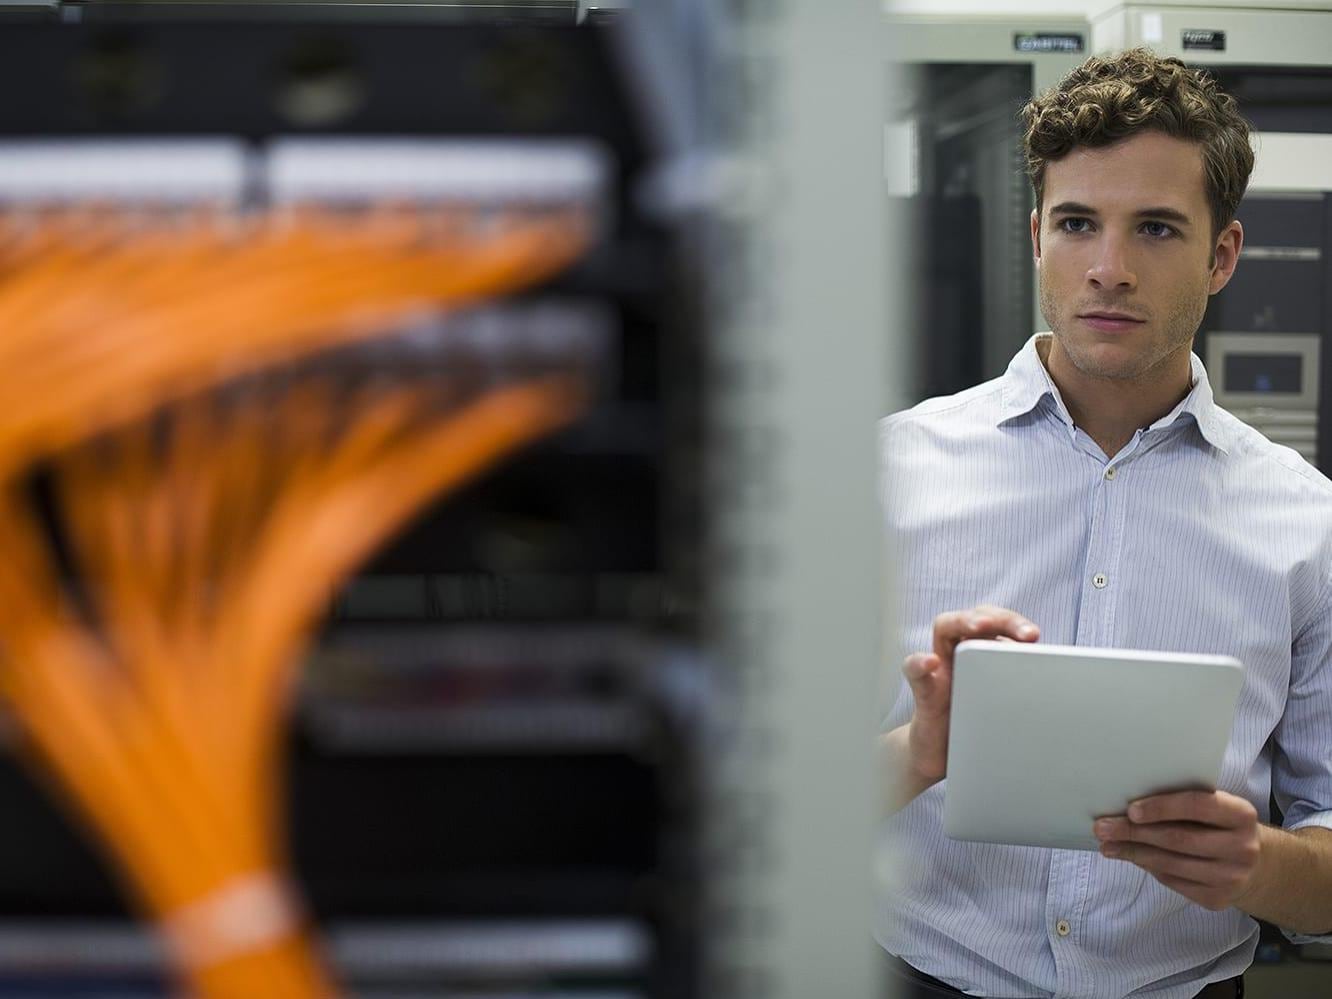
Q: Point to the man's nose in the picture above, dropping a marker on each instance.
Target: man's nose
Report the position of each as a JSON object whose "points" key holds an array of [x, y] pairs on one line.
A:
{"points": [[1112, 269]]}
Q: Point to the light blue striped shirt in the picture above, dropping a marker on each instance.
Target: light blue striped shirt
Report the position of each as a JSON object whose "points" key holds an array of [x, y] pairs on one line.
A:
{"points": [[1213, 540]]}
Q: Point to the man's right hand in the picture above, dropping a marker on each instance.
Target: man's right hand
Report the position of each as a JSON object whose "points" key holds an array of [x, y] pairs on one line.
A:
{"points": [[931, 677]]}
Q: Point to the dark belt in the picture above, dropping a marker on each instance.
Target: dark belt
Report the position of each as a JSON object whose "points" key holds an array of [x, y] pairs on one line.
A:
{"points": [[914, 984]]}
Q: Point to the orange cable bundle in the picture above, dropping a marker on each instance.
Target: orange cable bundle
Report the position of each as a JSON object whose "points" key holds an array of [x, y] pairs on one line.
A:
{"points": [[105, 315], [208, 533]]}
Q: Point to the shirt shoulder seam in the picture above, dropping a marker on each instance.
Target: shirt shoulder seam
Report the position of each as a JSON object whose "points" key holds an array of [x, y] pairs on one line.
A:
{"points": [[1266, 450], [922, 410]]}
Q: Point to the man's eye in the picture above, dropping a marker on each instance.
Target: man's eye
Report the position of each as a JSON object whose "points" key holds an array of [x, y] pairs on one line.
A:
{"points": [[1157, 229], [1075, 225]]}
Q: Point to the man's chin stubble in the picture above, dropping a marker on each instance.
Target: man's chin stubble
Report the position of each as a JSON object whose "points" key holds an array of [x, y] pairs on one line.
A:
{"points": [[1129, 370]]}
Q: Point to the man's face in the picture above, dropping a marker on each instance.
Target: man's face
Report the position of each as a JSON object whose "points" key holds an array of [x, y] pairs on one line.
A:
{"points": [[1124, 250]]}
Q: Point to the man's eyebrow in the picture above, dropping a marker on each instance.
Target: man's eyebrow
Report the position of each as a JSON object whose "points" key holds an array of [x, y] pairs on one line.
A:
{"points": [[1072, 208], [1166, 215]]}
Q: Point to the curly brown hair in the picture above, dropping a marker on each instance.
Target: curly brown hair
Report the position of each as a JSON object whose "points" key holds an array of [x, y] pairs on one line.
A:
{"points": [[1109, 98]]}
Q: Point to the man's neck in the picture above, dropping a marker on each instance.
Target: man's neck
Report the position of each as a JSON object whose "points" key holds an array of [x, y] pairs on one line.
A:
{"points": [[1111, 410]]}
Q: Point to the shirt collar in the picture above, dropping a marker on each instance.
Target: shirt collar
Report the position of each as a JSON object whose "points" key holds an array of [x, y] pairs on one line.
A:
{"points": [[1027, 383]]}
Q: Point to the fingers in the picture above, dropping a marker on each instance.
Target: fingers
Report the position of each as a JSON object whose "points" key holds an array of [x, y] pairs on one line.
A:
{"points": [[1154, 860], [1213, 808], [1209, 882], [1186, 839], [920, 668], [985, 621], [930, 673], [1203, 844], [931, 682]]}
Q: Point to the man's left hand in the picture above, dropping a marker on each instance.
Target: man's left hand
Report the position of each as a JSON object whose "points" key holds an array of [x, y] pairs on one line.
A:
{"points": [[1202, 844]]}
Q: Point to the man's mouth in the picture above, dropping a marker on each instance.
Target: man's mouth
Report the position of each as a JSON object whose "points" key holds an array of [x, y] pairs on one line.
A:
{"points": [[1110, 321]]}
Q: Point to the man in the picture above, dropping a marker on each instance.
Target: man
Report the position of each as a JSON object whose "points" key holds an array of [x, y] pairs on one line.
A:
{"points": [[1095, 495]]}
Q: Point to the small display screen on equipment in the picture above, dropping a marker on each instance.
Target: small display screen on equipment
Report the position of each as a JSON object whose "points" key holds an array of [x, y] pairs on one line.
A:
{"points": [[1263, 373]]}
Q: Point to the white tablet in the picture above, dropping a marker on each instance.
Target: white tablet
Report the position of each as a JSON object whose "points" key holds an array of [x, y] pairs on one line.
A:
{"points": [[1043, 739]]}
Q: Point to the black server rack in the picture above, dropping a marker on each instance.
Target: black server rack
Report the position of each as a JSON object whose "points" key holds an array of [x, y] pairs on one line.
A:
{"points": [[493, 766]]}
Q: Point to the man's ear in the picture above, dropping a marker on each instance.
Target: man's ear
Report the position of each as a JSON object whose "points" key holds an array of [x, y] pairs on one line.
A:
{"points": [[1225, 256], [1036, 236]]}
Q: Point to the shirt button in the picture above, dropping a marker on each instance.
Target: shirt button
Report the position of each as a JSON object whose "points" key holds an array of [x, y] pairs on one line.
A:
{"points": [[1111, 472], [1062, 928], [1100, 580]]}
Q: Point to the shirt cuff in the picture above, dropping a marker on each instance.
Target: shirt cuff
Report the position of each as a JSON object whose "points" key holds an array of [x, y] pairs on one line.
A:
{"points": [[1322, 820]]}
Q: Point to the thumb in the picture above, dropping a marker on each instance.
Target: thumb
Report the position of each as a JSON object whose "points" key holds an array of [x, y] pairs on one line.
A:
{"points": [[929, 684]]}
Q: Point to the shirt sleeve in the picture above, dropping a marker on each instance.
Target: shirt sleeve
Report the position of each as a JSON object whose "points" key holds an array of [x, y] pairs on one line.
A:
{"points": [[1302, 751]]}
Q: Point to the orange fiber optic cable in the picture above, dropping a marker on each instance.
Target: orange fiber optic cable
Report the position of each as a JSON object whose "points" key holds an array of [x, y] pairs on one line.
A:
{"points": [[211, 502], [102, 327]]}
